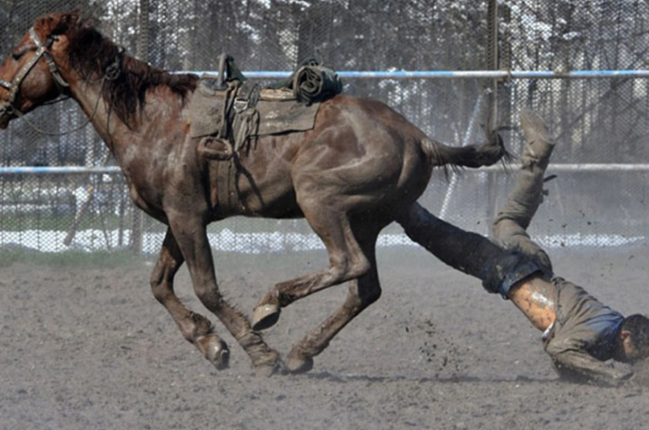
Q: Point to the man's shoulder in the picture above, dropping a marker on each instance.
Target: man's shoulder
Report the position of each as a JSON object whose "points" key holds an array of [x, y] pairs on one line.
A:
{"points": [[561, 283], [568, 295], [573, 300]]}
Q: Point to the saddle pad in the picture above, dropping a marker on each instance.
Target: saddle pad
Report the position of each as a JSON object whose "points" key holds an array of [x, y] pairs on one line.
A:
{"points": [[285, 116], [281, 116], [206, 112]]}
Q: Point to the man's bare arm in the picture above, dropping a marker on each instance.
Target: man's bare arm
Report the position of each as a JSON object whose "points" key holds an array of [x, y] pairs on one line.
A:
{"points": [[534, 296]]}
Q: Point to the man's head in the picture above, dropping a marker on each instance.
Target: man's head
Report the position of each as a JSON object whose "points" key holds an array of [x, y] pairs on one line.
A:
{"points": [[634, 338]]}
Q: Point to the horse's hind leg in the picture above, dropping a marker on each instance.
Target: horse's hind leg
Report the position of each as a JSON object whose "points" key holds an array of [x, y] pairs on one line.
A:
{"points": [[362, 292], [195, 328], [346, 262], [191, 238]]}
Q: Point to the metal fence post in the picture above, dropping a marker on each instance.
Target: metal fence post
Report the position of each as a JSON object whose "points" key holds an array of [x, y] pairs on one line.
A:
{"points": [[143, 54], [492, 103]]}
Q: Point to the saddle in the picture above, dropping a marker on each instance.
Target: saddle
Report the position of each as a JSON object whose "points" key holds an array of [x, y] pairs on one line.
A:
{"points": [[228, 111]]}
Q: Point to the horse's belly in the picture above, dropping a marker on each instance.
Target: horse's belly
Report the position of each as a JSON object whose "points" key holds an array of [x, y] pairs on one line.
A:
{"points": [[273, 201], [255, 195]]}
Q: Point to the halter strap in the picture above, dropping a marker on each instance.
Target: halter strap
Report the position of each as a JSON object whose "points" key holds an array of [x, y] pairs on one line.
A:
{"points": [[5, 84], [111, 73], [41, 51]]}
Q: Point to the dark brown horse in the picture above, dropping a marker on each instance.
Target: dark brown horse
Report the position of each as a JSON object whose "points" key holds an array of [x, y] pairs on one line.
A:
{"points": [[359, 169]]}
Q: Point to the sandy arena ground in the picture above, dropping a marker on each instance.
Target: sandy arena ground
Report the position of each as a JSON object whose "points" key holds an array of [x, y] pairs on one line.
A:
{"points": [[90, 348]]}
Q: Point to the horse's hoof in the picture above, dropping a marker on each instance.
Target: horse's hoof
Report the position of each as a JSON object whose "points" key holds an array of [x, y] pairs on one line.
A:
{"points": [[265, 316], [298, 363], [216, 351], [271, 368]]}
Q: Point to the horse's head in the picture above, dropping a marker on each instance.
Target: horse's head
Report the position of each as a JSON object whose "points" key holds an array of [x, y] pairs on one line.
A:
{"points": [[30, 75]]}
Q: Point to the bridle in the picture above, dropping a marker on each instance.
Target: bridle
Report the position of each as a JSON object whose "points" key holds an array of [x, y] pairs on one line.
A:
{"points": [[41, 51], [8, 107]]}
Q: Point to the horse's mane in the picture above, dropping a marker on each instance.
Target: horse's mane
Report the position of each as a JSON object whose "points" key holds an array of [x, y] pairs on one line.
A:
{"points": [[90, 54]]}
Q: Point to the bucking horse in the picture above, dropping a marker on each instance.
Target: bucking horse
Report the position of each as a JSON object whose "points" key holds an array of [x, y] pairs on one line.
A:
{"points": [[361, 167]]}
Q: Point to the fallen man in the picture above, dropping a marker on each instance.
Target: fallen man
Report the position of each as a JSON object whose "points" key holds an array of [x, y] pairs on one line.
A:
{"points": [[579, 333]]}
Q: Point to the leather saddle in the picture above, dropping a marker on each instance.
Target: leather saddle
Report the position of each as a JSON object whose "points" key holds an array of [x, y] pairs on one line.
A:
{"points": [[228, 111]]}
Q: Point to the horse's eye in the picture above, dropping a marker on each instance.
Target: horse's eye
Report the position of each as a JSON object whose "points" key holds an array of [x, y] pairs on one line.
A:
{"points": [[18, 52]]}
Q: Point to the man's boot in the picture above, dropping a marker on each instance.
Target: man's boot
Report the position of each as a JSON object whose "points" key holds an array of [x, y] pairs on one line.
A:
{"points": [[538, 145]]}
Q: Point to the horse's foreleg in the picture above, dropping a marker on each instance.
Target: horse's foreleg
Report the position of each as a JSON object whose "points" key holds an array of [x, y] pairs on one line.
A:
{"points": [[195, 328], [346, 262], [192, 240], [362, 292]]}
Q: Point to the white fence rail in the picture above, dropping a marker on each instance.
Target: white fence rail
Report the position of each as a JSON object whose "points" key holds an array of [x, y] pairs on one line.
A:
{"points": [[572, 167]]}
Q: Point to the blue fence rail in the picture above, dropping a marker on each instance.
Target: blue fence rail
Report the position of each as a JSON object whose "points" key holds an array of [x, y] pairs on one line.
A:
{"points": [[462, 74]]}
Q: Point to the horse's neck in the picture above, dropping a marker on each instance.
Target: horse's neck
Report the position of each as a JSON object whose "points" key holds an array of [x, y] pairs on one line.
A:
{"points": [[89, 97], [118, 136]]}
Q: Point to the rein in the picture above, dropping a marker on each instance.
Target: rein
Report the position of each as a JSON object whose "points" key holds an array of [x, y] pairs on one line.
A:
{"points": [[111, 73]]}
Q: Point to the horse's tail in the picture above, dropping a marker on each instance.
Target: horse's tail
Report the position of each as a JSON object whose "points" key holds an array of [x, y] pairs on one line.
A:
{"points": [[473, 156]]}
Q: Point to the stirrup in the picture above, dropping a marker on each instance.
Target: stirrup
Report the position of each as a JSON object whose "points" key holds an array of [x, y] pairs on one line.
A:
{"points": [[214, 148]]}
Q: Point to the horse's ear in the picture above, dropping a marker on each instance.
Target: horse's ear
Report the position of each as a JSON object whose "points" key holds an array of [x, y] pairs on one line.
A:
{"points": [[63, 22]]}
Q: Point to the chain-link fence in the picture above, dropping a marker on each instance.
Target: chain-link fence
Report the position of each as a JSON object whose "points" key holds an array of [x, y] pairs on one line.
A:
{"points": [[598, 122]]}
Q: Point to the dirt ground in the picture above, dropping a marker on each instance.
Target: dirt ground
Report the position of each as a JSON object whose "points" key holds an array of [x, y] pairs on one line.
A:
{"points": [[90, 348]]}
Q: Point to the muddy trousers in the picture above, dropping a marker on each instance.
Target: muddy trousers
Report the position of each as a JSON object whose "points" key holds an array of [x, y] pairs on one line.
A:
{"points": [[496, 266], [510, 225], [512, 256], [500, 263]]}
